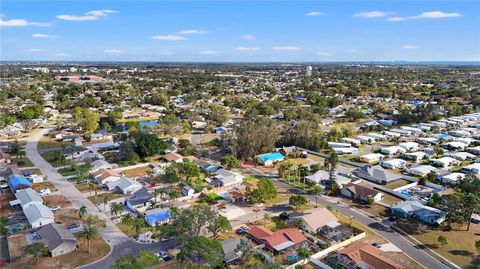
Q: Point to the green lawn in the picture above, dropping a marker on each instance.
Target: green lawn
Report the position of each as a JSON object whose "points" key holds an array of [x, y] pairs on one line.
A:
{"points": [[23, 162], [48, 143], [68, 171], [130, 231], [50, 156], [109, 195]]}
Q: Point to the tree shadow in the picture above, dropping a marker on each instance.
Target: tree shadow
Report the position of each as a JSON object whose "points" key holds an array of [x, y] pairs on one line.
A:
{"points": [[461, 252], [475, 263], [426, 246]]}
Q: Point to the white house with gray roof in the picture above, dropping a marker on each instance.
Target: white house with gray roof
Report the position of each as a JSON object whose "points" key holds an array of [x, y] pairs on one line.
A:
{"points": [[58, 239], [26, 198], [38, 215]]}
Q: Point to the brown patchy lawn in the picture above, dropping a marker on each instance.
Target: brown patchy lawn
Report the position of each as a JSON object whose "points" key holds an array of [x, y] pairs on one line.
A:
{"points": [[397, 183], [48, 143], [461, 243], [43, 185], [139, 171]]}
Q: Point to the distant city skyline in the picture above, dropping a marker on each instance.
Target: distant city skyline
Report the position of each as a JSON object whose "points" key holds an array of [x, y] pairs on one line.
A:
{"points": [[234, 31]]}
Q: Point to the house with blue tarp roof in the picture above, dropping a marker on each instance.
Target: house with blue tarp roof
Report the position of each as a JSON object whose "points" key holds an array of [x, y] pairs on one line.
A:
{"points": [[157, 215], [270, 158], [18, 182]]}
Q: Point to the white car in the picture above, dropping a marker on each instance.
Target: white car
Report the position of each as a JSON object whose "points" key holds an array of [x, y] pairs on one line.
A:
{"points": [[44, 192]]}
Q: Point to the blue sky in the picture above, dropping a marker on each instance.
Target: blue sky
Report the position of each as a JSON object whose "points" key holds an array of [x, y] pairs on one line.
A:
{"points": [[248, 31]]}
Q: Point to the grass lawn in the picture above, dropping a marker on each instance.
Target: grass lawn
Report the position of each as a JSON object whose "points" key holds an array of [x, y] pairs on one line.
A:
{"points": [[48, 143], [35, 171], [315, 158], [139, 171], [49, 156], [83, 187], [68, 171], [138, 119], [22, 162], [390, 199], [461, 244], [109, 195], [282, 196], [251, 179], [299, 161], [397, 184], [130, 231]]}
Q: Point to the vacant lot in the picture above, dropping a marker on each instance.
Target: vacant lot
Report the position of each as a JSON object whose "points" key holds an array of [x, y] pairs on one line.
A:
{"points": [[44, 185], [139, 171], [460, 248], [51, 143], [108, 196], [53, 159], [22, 162], [397, 184]]}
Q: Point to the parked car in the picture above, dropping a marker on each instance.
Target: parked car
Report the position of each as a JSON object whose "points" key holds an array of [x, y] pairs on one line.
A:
{"points": [[55, 208], [73, 225]]}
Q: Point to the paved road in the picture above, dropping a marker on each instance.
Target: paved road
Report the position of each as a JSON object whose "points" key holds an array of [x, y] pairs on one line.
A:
{"points": [[120, 243], [413, 251]]}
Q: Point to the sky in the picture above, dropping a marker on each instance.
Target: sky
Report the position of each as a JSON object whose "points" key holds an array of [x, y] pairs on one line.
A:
{"points": [[240, 31]]}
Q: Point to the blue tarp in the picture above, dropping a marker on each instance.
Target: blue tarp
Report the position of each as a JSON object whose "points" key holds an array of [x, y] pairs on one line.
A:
{"points": [[161, 216], [18, 181]]}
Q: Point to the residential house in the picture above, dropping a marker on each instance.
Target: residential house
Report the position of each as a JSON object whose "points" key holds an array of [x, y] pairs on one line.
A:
{"points": [[473, 168], [360, 191], [371, 158], [422, 170], [394, 164], [363, 255], [140, 198], [58, 239], [409, 146], [278, 241], [74, 152], [451, 178], [461, 156], [97, 137], [231, 256], [124, 185], [206, 166], [415, 209], [393, 150], [226, 178], [157, 216], [187, 190], [5, 158], [376, 174], [270, 159], [38, 215], [416, 156], [17, 182], [100, 164], [444, 162], [323, 177], [28, 197], [314, 219], [104, 177], [173, 157]]}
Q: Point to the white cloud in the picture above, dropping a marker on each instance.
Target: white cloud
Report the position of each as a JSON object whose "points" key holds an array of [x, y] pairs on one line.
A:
{"points": [[247, 48], [427, 15], [35, 50], [410, 47], [208, 52], [169, 53], [191, 32], [289, 48], [324, 54], [351, 51], [371, 14], [44, 36], [249, 37], [61, 54], [168, 37], [20, 22], [113, 51], [89, 16], [314, 14]]}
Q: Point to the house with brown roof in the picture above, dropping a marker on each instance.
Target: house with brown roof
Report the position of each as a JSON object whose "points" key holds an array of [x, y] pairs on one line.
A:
{"points": [[314, 219], [104, 176], [278, 241], [366, 256], [360, 191], [5, 158], [173, 157]]}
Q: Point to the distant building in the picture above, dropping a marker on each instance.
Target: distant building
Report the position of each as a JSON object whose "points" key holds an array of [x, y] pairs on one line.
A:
{"points": [[308, 72]]}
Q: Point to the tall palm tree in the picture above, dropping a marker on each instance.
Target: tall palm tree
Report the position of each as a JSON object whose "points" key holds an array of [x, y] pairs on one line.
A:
{"points": [[127, 220], [89, 232], [156, 192], [91, 187], [82, 211], [138, 224], [116, 208], [105, 202]]}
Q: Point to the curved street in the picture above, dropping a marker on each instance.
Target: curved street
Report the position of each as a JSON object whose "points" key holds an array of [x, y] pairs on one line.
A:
{"points": [[120, 243]]}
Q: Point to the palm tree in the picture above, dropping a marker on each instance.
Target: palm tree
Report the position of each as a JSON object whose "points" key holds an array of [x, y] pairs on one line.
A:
{"points": [[96, 188], [156, 192], [116, 208], [105, 202], [91, 187], [82, 211], [89, 232], [246, 249], [138, 224], [127, 220], [316, 191]]}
